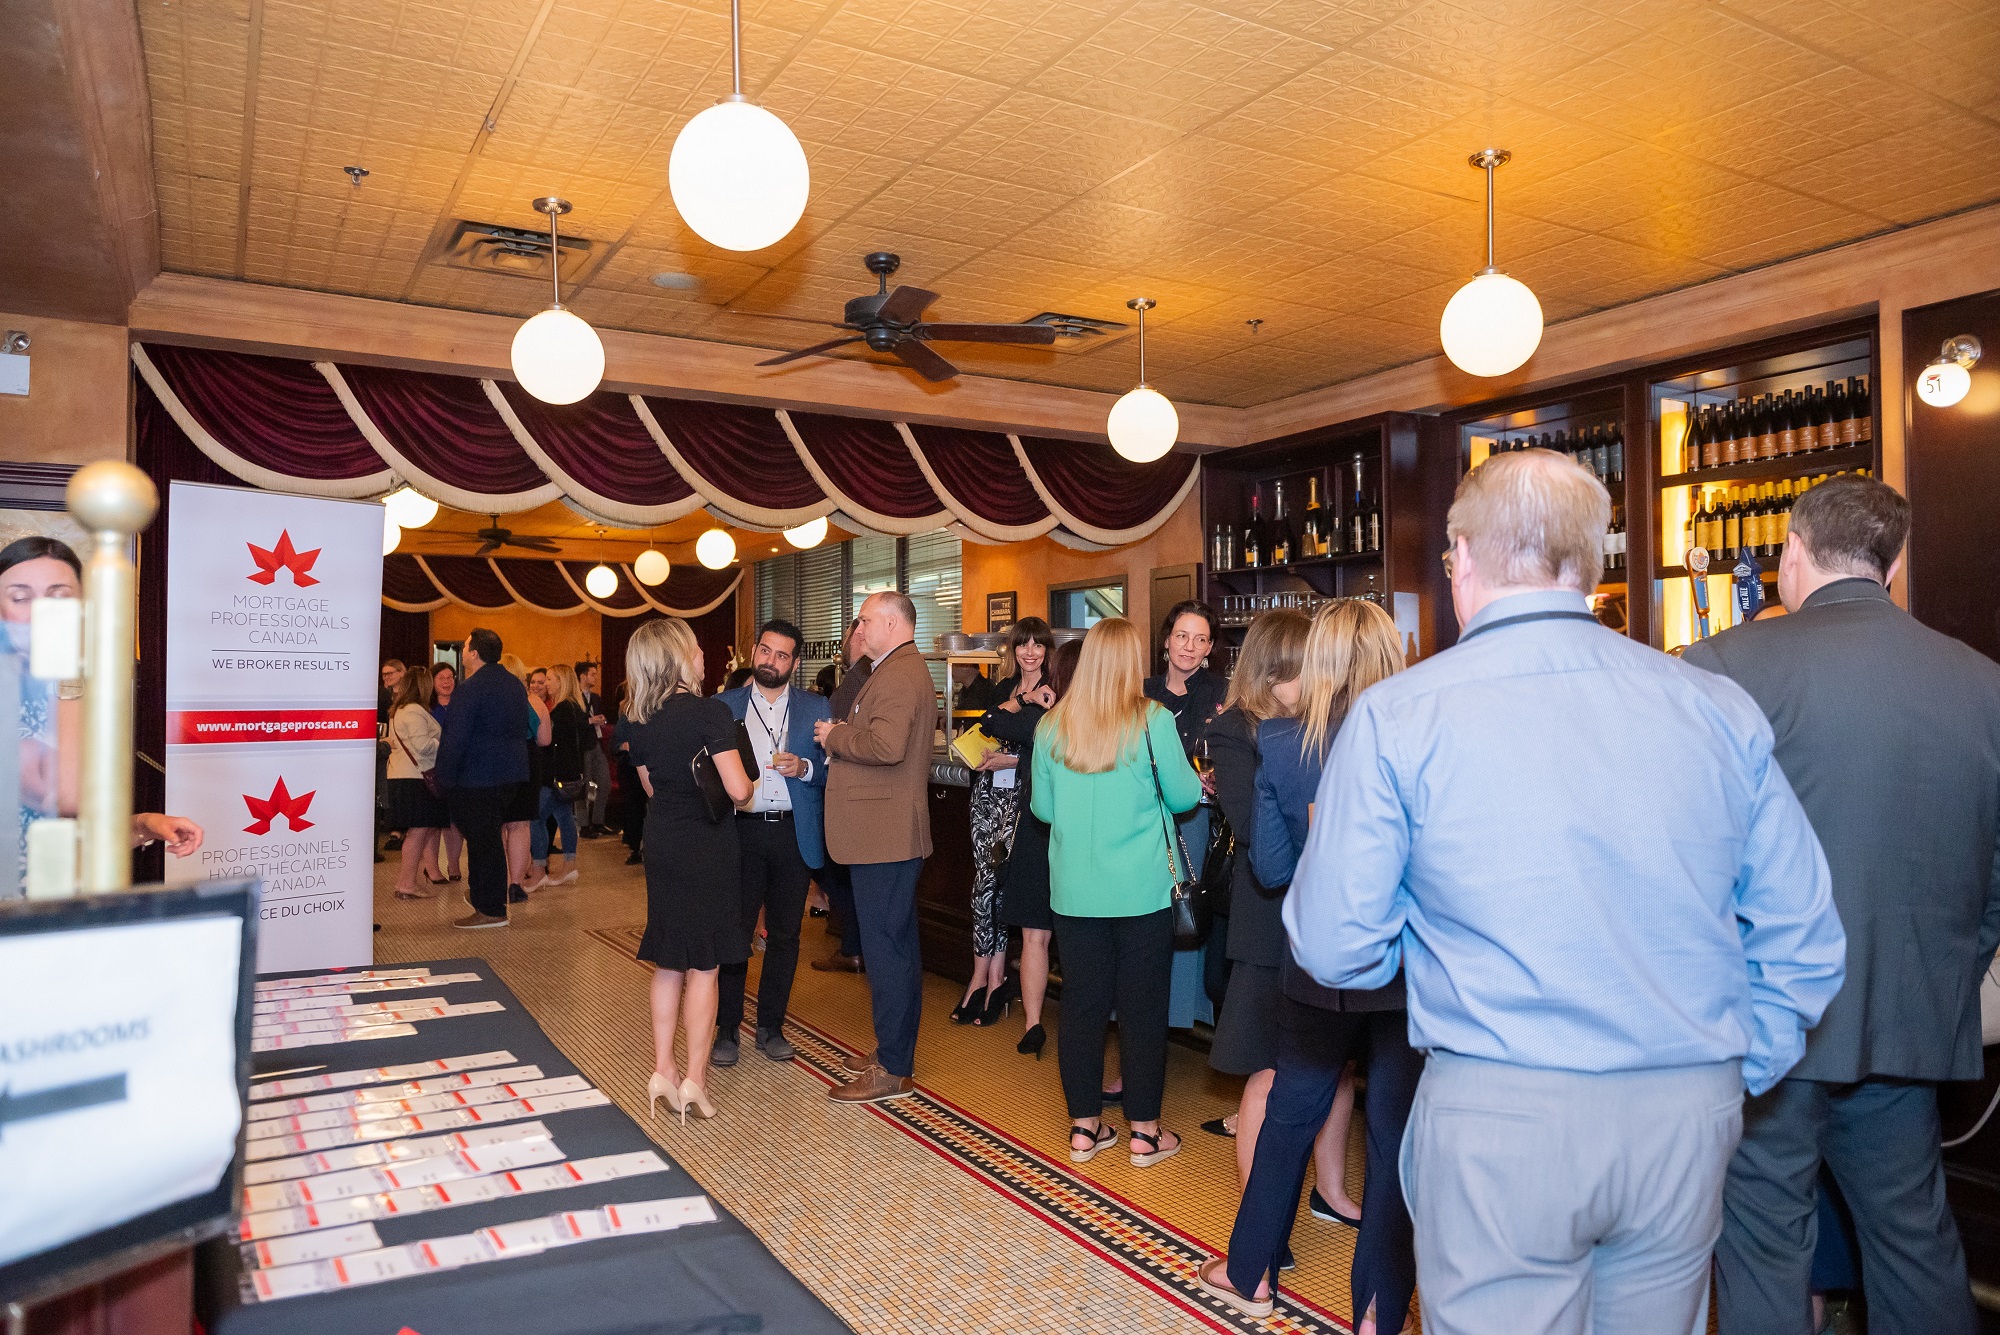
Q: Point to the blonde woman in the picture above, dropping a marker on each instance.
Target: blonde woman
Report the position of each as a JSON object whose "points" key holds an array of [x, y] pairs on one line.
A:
{"points": [[693, 913], [1264, 686], [561, 764], [1109, 774], [1353, 645], [413, 807]]}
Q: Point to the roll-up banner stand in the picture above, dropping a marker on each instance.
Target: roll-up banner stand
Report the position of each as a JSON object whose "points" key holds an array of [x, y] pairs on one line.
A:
{"points": [[273, 627]]}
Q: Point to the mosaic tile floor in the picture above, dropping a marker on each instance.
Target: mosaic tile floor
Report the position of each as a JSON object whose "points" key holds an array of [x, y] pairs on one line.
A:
{"points": [[957, 1209]]}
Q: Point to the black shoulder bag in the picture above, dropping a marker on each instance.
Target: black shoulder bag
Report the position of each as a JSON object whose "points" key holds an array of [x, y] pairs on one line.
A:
{"points": [[1192, 911]]}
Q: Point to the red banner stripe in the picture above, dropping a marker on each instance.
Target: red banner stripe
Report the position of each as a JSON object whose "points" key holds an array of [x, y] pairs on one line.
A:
{"points": [[196, 727]]}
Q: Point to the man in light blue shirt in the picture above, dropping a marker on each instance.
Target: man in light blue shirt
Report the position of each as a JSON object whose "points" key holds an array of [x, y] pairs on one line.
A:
{"points": [[1611, 913]]}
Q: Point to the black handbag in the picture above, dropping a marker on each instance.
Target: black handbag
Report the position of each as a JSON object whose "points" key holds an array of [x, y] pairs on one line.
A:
{"points": [[1218, 865], [1193, 911], [715, 799]]}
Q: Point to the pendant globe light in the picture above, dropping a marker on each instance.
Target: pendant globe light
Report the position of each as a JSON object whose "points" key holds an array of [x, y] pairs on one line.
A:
{"points": [[601, 581], [715, 548], [557, 357], [409, 507], [392, 532], [1493, 323], [1143, 425], [652, 567], [807, 535], [737, 173]]}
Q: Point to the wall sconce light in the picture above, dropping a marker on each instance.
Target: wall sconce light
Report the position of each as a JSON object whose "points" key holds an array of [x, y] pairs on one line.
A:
{"points": [[1945, 381]]}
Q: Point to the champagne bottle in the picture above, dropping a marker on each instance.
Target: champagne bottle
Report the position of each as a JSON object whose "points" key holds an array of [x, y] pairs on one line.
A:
{"points": [[1253, 534], [1357, 519], [1281, 527], [1787, 493], [1312, 540], [1708, 524], [1732, 522]]}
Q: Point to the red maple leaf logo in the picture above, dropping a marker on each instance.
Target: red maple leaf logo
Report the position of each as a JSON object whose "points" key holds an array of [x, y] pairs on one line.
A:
{"points": [[279, 803], [283, 557]]}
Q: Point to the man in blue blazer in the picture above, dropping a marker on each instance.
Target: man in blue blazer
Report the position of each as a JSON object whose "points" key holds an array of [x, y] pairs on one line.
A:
{"points": [[782, 829]]}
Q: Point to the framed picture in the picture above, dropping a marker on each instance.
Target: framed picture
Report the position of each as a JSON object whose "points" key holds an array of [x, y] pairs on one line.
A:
{"points": [[1001, 609]]}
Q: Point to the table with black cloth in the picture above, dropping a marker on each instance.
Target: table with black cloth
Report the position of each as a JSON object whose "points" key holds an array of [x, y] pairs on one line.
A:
{"points": [[698, 1278]]}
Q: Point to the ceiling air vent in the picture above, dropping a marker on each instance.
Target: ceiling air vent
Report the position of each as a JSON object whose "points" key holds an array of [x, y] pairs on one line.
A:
{"points": [[491, 248], [1081, 333]]}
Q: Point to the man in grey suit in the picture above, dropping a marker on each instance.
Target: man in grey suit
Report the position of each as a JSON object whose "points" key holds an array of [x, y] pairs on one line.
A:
{"points": [[1890, 735]]}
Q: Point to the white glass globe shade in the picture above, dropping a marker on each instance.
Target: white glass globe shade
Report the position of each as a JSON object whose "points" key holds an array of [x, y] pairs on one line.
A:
{"points": [[1491, 325], [392, 532], [1143, 425], [557, 357], [601, 582], [738, 176], [410, 508], [809, 534], [715, 549], [651, 567], [1943, 383]]}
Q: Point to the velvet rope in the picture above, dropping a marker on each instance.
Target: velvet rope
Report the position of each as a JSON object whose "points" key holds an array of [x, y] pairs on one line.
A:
{"points": [[247, 400], [853, 457]]}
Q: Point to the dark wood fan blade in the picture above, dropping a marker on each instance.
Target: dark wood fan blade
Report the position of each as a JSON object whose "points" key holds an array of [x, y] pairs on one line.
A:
{"points": [[534, 544], [487, 548], [813, 351], [919, 358], [987, 333], [905, 305]]}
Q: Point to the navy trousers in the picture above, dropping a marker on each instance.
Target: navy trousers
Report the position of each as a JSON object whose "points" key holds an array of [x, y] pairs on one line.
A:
{"points": [[885, 903], [838, 881], [1879, 1138], [1314, 1047]]}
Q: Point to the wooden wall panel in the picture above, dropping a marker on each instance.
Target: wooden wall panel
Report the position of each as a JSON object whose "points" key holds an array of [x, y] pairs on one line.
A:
{"points": [[1953, 568], [79, 394]]}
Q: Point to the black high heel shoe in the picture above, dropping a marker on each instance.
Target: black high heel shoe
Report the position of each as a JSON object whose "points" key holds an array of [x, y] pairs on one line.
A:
{"points": [[969, 1010], [1032, 1042], [997, 1003]]}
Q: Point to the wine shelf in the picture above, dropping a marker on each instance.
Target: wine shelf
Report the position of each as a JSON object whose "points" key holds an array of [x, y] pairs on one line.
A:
{"points": [[1309, 563], [1847, 457]]}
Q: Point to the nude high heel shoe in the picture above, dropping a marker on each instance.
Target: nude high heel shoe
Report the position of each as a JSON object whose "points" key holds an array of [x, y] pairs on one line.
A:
{"points": [[694, 1096], [659, 1087]]}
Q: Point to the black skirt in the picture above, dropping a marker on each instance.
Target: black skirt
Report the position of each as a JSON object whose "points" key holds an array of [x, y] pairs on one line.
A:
{"points": [[525, 802], [1246, 1033], [414, 807]]}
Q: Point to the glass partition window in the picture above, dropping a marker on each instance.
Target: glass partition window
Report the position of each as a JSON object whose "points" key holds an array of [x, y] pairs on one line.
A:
{"points": [[1083, 606]]}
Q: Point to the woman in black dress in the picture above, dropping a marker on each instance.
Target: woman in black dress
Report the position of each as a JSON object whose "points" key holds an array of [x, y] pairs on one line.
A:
{"points": [[1024, 880], [693, 912], [996, 805]]}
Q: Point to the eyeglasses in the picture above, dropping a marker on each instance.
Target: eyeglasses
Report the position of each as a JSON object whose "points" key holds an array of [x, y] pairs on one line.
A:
{"points": [[1446, 558]]}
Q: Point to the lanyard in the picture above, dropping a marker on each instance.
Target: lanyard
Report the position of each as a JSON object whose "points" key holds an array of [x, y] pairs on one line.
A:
{"points": [[1527, 617], [770, 733]]}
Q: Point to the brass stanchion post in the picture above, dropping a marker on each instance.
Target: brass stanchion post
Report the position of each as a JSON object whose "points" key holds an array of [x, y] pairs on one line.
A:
{"points": [[113, 501]]}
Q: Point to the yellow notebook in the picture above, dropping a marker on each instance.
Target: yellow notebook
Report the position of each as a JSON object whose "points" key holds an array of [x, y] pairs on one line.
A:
{"points": [[973, 745]]}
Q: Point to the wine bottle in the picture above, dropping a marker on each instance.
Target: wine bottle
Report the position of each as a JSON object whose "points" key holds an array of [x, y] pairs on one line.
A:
{"points": [[1788, 491], [1864, 411], [1614, 454], [1707, 523], [1253, 534], [1312, 539], [1836, 416], [1730, 449], [1732, 522], [1375, 521], [1764, 442], [1788, 426], [1281, 527], [1694, 448], [1357, 519], [1819, 420]]}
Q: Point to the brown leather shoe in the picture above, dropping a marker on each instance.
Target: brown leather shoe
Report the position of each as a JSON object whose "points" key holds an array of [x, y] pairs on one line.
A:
{"points": [[875, 1085], [855, 1063], [474, 921], [839, 963]]}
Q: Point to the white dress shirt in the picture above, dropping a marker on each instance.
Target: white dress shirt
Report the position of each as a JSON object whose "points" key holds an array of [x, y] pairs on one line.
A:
{"points": [[767, 724]]}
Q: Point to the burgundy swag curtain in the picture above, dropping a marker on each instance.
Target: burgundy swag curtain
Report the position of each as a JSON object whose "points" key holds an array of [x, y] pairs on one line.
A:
{"points": [[633, 461]]}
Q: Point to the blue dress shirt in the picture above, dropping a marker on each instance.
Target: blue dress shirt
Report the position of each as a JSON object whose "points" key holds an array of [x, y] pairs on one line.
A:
{"points": [[1579, 851]]}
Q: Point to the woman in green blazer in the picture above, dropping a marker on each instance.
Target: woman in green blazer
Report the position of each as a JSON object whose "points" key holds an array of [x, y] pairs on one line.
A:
{"points": [[1109, 772]]}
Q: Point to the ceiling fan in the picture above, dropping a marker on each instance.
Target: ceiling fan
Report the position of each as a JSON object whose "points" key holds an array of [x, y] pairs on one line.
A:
{"points": [[493, 537], [892, 322]]}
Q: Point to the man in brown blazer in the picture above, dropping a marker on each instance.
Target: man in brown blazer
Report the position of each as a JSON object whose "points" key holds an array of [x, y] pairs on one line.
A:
{"points": [[878, 823]]}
